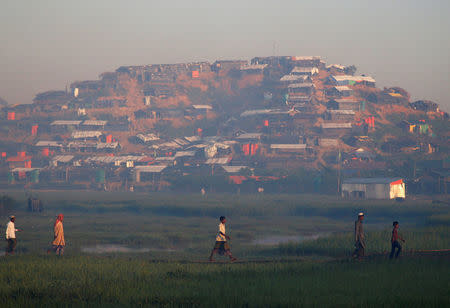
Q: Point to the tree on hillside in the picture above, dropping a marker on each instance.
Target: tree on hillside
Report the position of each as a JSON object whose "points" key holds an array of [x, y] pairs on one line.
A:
{"points": [[350, 70]]}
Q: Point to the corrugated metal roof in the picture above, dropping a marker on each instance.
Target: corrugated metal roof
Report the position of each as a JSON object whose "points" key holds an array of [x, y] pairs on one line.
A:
{"points": [[349, 112], [95, 122], [338, 66], [105, 145], [24, 169], [151, 169], [370, 180], [293, 77], [233, 169], [185, 154], [353, 78], [301, 85], [346, 100], [199, 146], [202, 107], [82, 144], [63, 158], [299, 98], [300, 146], [166, 145], [181, 141], [229, 142], [193, 138], [48, 144], [212, 139], [218, 161], [86, 134], [262, 112], [66, 122], [300, 69], [249, 136], [253, 67], [165, 158], [336, 125], [113, 159], [147, 137], [342, 88]]}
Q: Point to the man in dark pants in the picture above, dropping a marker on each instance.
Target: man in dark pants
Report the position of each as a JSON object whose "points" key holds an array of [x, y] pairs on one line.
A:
{"points": [[11, 236], [394, 241], [360, 244]]}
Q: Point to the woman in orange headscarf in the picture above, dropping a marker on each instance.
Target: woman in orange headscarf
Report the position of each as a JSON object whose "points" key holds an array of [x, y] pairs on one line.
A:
{"points": [[58, 242]]}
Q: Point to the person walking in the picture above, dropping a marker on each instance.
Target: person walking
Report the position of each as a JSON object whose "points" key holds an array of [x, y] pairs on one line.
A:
{"points": [[58, 239], [11, 236], [360, 244], [395, 244], [222, 247]]}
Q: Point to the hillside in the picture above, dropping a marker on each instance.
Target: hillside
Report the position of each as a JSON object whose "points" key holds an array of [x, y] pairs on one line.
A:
{"points": [[267, 115]]}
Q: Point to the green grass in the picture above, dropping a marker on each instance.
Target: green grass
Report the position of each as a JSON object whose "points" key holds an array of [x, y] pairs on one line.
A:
{"points": [[378, 242], [95, 281], [180, 230]]}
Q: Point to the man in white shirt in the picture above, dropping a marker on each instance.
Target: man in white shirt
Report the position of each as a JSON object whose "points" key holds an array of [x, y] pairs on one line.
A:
{"points": [[221, 245], [11, 236]]}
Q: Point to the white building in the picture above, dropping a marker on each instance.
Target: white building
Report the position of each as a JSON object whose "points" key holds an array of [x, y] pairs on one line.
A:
{"points": [[374, 188]]}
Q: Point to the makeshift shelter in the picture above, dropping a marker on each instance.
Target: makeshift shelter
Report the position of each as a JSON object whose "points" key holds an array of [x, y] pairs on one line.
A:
{"points": [[374, 188]]}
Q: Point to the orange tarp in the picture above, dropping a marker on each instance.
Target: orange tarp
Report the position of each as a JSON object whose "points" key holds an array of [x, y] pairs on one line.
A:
{"points": [[237, 179], [397, 182], [19, 158], [34, 130]]}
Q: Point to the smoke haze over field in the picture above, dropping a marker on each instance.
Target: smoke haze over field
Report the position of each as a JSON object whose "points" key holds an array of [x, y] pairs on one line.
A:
{"points": [[48, 44]]}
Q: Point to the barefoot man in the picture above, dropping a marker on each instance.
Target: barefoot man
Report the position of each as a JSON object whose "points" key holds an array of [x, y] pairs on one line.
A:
{"points": [[221, 245]]}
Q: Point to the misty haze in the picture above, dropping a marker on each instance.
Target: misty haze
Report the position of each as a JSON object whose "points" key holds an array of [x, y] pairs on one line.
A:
{"points": [[238, 154]]}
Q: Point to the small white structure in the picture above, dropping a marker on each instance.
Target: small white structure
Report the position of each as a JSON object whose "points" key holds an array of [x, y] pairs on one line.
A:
{"points": [[374, 188], [61, 160], [307, 71], [86, 134]]}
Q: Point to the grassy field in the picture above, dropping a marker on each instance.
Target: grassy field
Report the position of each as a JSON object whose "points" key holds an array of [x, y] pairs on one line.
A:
{"points": [[96, 281], [138, 249]]}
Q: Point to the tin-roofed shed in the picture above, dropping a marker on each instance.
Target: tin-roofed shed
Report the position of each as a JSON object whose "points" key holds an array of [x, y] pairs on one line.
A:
{"points": [[374, 188]]}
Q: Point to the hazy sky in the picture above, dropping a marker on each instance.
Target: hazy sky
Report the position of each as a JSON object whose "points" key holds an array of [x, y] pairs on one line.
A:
{"points": [[46, 44]]}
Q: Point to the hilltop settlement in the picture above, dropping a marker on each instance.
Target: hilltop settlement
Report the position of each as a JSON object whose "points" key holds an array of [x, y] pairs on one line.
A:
{"points": [[273, 124]]}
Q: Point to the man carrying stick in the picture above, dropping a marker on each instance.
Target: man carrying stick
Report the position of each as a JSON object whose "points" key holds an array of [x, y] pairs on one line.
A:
{"points": [[360, 244], [221, 245]]}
